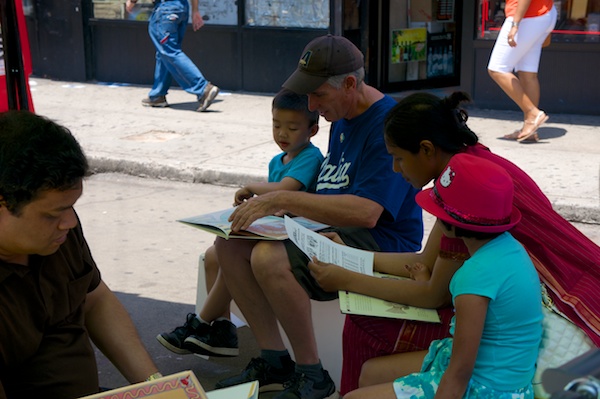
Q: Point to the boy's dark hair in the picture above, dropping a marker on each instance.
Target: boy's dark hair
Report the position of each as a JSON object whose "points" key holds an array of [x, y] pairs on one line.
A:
{"points": [[423, 116], [288, 100], [459, 232], [36, 154]]}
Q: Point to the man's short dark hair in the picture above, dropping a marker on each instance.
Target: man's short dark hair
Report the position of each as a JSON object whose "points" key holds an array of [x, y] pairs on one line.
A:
{"points": [[36, 154]]}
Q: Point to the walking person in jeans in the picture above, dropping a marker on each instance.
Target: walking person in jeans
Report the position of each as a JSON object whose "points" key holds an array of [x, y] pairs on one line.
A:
{"points": [[166, 28]]}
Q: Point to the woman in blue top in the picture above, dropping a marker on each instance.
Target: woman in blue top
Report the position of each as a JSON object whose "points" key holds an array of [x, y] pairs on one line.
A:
{"points": [[497, 326]]}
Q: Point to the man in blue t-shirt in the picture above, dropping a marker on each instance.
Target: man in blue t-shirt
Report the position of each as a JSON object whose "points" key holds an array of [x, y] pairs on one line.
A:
{"points": [[357, 191]]}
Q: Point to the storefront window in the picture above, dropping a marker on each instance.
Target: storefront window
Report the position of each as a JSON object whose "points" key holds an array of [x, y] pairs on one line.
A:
{"points": [[222, 12], [577, 21], [422, 40], [288, 13]]}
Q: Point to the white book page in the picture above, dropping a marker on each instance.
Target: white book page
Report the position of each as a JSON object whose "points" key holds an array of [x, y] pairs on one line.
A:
{"points": [[325, 250]]}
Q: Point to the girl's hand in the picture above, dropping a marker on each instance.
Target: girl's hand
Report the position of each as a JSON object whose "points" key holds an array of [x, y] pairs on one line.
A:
{"points": [[329, 276], [333, 236]]}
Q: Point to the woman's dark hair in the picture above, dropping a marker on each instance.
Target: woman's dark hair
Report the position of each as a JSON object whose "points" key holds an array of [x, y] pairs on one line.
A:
{"points": [[423, 116], [36, 154], [290, 101]]}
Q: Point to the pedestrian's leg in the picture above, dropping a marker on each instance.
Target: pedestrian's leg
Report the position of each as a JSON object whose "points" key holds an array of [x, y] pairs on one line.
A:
{"points": [[162, 77], [167, 38]]}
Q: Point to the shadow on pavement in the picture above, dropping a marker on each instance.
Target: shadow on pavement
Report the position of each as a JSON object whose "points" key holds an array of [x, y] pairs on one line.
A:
{"points": [[151, 317]]}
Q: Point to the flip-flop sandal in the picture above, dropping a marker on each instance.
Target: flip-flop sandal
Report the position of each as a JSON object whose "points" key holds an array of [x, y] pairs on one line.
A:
{"points": [[512, 136], [537, 122], [534, 138]]}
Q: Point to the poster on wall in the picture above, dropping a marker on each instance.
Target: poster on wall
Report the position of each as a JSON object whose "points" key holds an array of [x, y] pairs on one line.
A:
{"points": [[408, 45], [440, 54]]}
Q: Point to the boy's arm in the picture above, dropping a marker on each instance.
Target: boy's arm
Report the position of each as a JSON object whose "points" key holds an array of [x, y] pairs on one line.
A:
{"points": [[471, 311], [249, 191]]}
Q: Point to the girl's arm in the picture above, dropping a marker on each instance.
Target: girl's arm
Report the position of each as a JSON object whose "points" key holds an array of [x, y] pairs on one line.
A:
{"points": [[471, 311], [393, 262], [432, 293]]}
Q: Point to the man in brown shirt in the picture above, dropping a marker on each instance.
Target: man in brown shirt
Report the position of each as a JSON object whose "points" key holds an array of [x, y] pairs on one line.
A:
{"points": [[52, 297]]}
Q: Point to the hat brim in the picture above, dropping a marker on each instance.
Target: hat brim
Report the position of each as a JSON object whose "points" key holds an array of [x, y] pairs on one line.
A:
{"points": [[301, 82], [425, 201]]}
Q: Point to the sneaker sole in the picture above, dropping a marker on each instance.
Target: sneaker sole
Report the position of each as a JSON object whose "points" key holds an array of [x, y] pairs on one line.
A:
{"points": [[171, 347], [161, 105], [202, 348], [211, 97]]}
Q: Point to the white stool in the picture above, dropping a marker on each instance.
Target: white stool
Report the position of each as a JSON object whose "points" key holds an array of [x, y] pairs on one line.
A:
{"points": [[328, 322]]}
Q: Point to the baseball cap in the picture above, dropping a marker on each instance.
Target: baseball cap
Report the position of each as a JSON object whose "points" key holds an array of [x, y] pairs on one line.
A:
{"points": [[474, 194], [322, 58]]}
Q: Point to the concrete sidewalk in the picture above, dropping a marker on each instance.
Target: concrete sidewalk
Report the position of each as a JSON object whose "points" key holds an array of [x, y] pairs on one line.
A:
{"points": [[231, 144]]}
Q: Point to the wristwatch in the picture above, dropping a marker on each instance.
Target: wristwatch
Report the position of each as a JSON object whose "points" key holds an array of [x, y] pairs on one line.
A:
{"points": [[513, 25]]}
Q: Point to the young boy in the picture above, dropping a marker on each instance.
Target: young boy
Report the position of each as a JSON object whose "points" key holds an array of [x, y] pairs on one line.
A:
{"points": [[211, 332], [497, 326]]}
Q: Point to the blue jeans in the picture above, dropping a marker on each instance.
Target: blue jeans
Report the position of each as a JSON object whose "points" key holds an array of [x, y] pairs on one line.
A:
{"points": [[167, 26]]}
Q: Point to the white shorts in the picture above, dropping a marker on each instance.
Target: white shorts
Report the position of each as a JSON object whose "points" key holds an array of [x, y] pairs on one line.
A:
{"points": [[530, 36]]}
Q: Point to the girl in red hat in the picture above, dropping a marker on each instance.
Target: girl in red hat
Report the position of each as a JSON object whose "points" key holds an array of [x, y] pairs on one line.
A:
{"points": [[497, 327]]}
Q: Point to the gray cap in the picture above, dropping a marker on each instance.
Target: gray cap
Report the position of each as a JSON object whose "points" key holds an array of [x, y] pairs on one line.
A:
{"points": [[322, 58]]}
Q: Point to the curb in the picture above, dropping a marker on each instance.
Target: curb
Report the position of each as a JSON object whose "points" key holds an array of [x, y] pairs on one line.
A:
{"points": [[572, 213]]}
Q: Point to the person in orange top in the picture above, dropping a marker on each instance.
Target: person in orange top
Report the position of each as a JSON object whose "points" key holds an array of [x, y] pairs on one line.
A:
{"points": [[518, 49]]}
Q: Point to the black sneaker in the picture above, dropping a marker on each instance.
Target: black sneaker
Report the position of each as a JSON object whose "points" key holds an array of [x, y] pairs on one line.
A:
{"points": [[174, 340], [300, 387], [221, 340], [269, 378], [156, 102], [210, 92]]}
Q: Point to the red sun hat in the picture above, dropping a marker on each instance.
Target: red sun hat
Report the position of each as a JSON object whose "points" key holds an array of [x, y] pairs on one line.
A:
{"points": [[474, 194]]}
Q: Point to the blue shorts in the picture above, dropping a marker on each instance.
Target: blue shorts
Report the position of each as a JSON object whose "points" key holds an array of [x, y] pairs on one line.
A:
{"points": [[425, 383]]}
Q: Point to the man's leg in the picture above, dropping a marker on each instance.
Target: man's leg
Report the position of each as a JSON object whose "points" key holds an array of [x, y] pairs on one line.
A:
{"points": [[287, 298], [291, 304]]}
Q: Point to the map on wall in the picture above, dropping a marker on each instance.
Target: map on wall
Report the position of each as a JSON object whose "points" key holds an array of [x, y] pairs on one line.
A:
{"points": [[219, 12]]}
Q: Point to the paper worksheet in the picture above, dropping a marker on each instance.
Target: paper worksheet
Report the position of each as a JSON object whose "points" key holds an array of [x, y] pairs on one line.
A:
{"points": [[325, 250]]}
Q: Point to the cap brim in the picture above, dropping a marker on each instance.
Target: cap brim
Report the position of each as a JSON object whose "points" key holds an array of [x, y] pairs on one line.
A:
{"points": [[425, 201], [302, 83]]}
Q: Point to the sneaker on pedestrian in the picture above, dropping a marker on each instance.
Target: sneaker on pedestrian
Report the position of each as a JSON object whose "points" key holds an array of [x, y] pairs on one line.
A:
{"points": [[209, 95], [174, 341], [221, 340], [156, 102], [269, 378], [300, 387]]}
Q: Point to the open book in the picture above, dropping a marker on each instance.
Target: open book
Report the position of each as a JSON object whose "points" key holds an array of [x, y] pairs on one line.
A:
{"points": [[359, 261], [266, 228], [182, 385], [353, 303]]}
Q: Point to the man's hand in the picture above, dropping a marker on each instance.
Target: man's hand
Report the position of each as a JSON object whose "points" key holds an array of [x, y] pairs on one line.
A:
{"points": [[329, 276], [197, 21], [253, 209]]}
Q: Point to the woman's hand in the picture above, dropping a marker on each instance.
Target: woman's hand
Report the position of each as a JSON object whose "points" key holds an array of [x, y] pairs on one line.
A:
{"points": [[511, 36], [329, 276]]}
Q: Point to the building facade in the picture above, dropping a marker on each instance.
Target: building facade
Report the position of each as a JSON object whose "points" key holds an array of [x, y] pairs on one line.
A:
{"points": [[253, 45]]}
